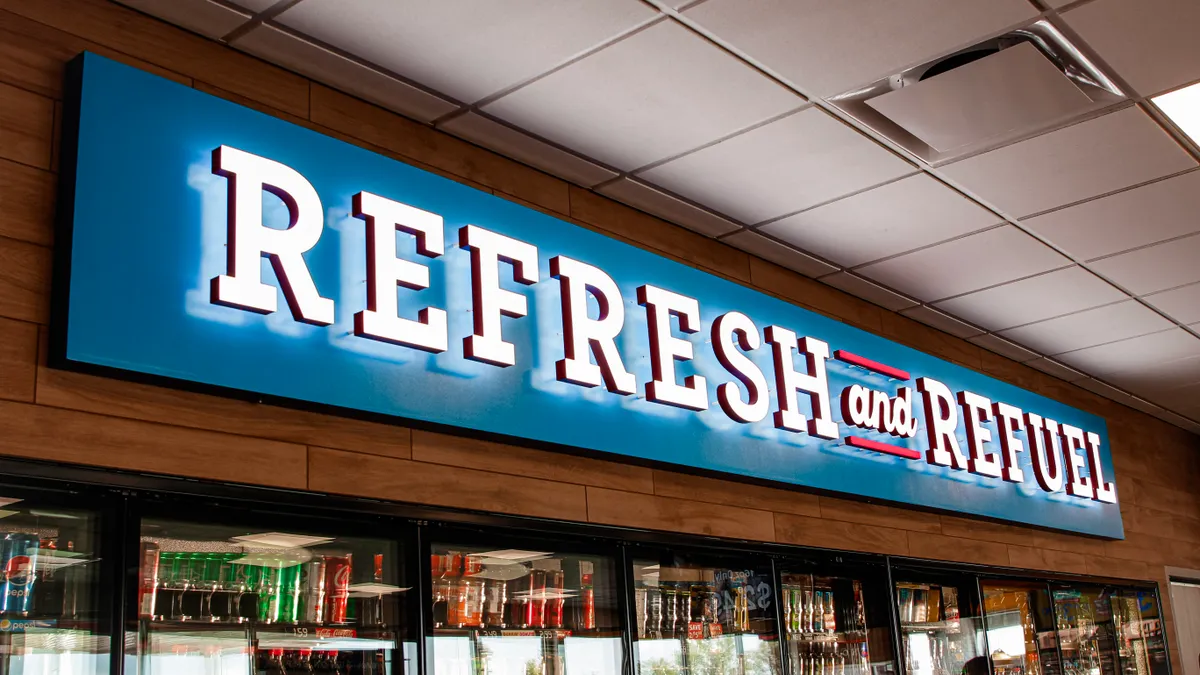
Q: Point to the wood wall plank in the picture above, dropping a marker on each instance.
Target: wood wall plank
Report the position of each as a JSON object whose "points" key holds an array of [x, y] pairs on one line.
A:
{"points": [[1027, 557], [877, 514], [629, 509], [27, 203], [839, 535], [733, 493], [120, 29], [24, 281], [39, 432], [813, 295], [401, 480], [517, 461], [62, 389], [18, 360], [26, 126], [419, 142], [941, 547]]}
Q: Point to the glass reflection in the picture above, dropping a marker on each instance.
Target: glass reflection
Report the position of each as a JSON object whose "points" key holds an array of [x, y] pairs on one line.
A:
{"points": [[523, 612], [1139, 628], [941, 628], [1086, 630], [1020, 628], [704, 620]]}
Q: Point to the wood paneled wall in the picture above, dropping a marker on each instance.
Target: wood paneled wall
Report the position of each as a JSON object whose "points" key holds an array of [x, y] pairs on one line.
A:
{"points": [[49, 414]]}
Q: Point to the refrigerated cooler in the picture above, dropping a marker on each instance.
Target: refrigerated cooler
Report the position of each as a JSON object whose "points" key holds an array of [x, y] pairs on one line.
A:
{"points": [[522, 609], [703, 614], [941, 627], [97, 580], [53, 617], [244, 598], [836, 617]]}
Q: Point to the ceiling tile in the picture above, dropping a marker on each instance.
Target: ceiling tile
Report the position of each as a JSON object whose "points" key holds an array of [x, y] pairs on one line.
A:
{"points": [[202, 16], [1004, 347], [831, 47], [1150, 43], [1052, 367], [1183, 303], [1164, 382], [1034, 299], [779, 254], [1154, 268], [790, 164], [350, 76], [963, 265], [1089, 328], [467, 50], [1134, 354], [1162, 210], [646, 198], [941, 321], [639, 101], [1071, 164], [901, 216], [868, 290], [525, 148]]}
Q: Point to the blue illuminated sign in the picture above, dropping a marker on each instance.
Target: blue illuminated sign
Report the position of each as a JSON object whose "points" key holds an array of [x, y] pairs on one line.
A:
{"points": [[215, 245]]}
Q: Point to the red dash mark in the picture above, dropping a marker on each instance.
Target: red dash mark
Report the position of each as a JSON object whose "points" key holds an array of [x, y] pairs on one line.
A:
{"points": [[886, 448], [863, 362]]}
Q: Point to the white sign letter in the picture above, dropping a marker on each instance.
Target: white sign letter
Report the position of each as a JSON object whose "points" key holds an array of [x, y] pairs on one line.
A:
{"points": [[1008, 419], [728, 327], [666, 349], [941, 419], [381, 320], [1044, 452], [1078, 485], [815, 383], [582, 335], [978, 410], [1105, 492], [488, 301], [249, 240]]}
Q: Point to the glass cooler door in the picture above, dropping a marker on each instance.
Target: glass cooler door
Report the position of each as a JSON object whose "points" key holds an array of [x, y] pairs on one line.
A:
{"points": [[1084, 618], [1020, 628], [523, 609], [836, 619], [704, 615], [1139, 629], [53, 616], [940, 626], [239, 599]]}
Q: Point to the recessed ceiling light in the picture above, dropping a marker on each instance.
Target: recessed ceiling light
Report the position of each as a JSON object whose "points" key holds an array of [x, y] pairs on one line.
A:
{"points": [[1183, 107]]}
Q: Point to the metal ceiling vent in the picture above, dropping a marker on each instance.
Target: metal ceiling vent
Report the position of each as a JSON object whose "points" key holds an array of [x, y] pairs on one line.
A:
{"points": [[998, 91]]}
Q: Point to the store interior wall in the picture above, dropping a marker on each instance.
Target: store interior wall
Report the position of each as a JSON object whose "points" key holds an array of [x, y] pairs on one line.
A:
{"points": [[69, 417]]}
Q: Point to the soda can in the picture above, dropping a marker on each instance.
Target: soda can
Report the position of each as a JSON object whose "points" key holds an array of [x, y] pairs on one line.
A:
{"points": [[312, 591], [337, 588], [149, 585], [19, 558]]}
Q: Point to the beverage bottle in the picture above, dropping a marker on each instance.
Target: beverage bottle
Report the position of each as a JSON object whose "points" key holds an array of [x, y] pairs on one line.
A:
{"points": [[787, 608], [245, 592], [537, 603], [304, 664], [48, 591], [830, 613], [312, 591], [275, 663], [496, 597], [587, 594], [270, 595], [337, 588], [289, 594], [806, 611], [441, 596], [654, 612], [470, 609], [191, 568], [19, 552], [555, 598], [148, 589], [379, 612], [670, 609]]}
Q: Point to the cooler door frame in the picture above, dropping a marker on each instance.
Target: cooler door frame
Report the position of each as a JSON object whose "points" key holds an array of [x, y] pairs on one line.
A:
{"points": [[964, 579]]}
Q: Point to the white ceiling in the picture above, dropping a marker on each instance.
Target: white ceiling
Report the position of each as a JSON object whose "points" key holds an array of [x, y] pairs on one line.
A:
{"points": [[1071, 249]]}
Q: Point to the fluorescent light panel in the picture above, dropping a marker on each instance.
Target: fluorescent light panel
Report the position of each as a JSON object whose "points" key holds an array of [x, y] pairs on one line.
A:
{"points": [[1183, 107]]}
